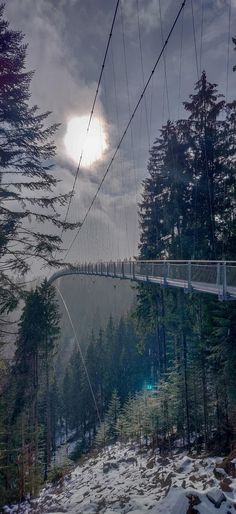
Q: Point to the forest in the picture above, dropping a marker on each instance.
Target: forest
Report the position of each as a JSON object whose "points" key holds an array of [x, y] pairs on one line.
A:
{"points": [[164, 372]]}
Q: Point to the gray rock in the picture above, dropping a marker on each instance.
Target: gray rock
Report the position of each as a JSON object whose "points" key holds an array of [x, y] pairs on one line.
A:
{"points": [[216, 497]]}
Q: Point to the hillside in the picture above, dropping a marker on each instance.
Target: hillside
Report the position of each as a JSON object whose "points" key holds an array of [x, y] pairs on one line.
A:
{"points": [[126, 479]]}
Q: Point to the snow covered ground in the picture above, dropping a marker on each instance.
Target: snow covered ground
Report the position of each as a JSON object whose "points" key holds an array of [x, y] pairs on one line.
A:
{"points": [[123, 479]]}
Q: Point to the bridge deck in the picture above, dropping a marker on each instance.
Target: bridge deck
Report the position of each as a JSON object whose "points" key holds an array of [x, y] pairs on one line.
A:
{"points": [[215, 277]]}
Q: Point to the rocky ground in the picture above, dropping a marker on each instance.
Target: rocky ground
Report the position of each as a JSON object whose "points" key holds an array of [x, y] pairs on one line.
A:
{"points": [[123, 479]]}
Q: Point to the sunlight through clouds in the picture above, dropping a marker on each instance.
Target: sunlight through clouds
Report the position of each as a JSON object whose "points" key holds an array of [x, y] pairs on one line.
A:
{"points": [[93, 144]]}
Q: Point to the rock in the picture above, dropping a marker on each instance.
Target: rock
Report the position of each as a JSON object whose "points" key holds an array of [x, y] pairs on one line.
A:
{"points": [[108, 466], [225, 485], [56, 508], [216, 497], [122, 460], [194, 500], [228, 464], [163, 461], [48, 497], [151, 463], [219, 473], [132, 460], [185, 464], [142, 451], [193, 478]]}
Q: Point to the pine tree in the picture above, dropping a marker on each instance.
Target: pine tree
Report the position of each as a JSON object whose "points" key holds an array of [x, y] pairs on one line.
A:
{"points": [[27, 186], [31, 375], [112, 415], [186, 209]]}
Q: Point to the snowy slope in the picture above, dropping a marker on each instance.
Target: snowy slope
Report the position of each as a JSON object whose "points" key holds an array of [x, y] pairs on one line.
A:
{"points": [[122, 480]]}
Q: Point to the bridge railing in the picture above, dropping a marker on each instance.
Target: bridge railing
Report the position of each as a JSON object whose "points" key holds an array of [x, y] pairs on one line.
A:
{"points": [[216, 277]]}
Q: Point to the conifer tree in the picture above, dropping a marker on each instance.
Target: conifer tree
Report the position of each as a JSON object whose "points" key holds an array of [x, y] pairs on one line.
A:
{"points": [[186, 210], [31, 376], [27, 185]]}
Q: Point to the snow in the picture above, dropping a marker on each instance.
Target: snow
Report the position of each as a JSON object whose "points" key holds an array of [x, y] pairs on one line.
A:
{"points": [[121, 479]]}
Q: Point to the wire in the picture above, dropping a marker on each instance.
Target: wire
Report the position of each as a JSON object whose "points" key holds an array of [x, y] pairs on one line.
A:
{"points": [[92, 110], [127, 126], [80, 351], [194, 38], [142, 69], [180, 62], [228, 48], [164, 63], [201, 43]]}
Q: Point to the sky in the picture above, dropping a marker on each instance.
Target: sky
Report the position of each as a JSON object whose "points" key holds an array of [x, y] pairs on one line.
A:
{"points": [[66, 44]]}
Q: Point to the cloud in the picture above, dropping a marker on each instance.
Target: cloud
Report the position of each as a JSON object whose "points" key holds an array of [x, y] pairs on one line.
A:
{"points": [[67, 41]]}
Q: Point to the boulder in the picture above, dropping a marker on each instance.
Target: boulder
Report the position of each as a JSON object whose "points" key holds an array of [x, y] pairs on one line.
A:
{"points": [[108, 466], [225, 485], [219, 473], [216, 496], [151, 463]]}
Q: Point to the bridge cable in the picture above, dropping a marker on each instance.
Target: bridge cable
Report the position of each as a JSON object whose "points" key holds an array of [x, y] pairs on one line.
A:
{"points": [[201, 38], [195, 230], [204, 146], [127, 126], [129, 111], [81, 353], [142, 70], [195, 41], [92, 110], [164, 63], [120, 165], [228, 48], [180, 62]]}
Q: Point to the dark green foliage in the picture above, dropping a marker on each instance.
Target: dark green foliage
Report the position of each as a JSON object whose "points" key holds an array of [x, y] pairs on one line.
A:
{"points": [[115, 368], [29, 400], [188, 212], [27, 186], [186, 209]]}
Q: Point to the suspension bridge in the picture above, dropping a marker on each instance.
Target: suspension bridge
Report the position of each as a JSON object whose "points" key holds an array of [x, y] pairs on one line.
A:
{"points": [[213, 277], [106, 205]]}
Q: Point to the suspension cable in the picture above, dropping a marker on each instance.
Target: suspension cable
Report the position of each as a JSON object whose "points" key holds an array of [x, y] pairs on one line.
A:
{"points": [[164, 63], [80, 351], [228, 48], [201, 39], [127, 126], [195, 41], [142, 70], [92, 110]]}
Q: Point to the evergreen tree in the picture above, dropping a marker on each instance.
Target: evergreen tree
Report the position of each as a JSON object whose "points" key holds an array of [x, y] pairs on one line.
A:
{"points": [[29, 409], [27, 185], [186, 209]]}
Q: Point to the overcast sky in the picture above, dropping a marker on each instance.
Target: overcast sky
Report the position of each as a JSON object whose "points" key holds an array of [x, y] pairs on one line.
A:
{"points": [[67, 40]]}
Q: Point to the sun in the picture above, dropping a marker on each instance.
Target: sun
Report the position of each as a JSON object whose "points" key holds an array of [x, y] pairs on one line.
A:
{"points": [[93, 144]]}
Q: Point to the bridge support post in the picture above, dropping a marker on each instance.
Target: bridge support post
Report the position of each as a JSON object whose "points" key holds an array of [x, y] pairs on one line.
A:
{"points": [[133, 270], [114, 269], [224, 292], [218, 279], [123, 269], [152, 269], [189, 277], [164, 274]]}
